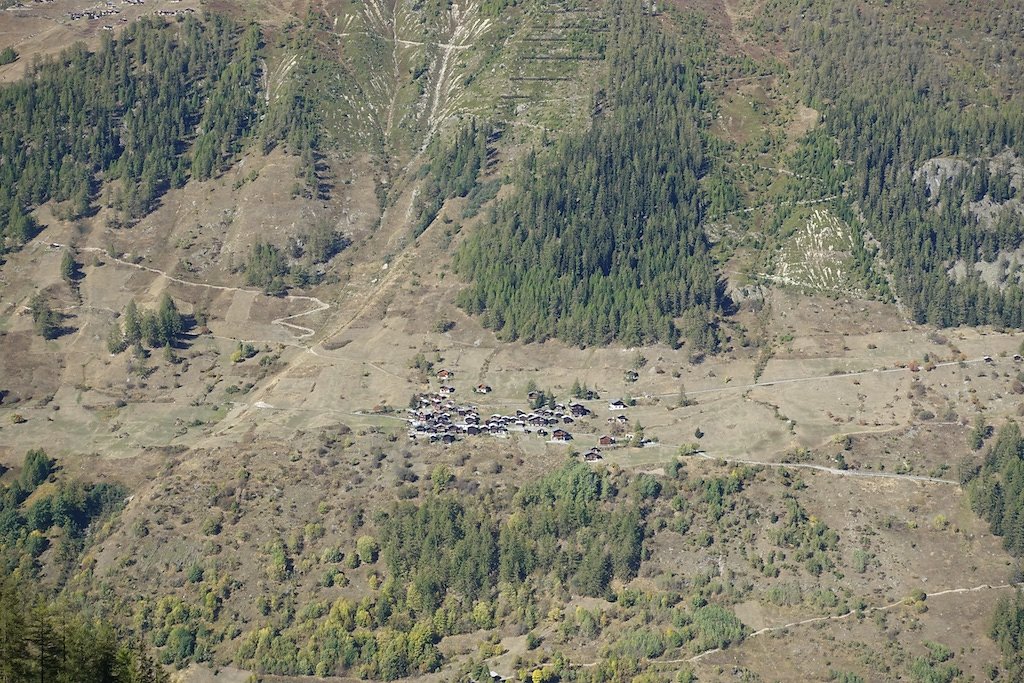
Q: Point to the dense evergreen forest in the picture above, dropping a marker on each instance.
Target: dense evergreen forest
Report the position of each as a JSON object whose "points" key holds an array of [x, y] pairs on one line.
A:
{"points": [[603, 241], [893, 98], [995, 489], [454, 171], [1008, 631], [128, 115]]}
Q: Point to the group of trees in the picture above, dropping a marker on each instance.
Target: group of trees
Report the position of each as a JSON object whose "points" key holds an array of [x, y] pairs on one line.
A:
{"points": [[293, 115], [265, 268], [996, 487], [271, 269], [996, 493], [155, 329], [70, 505], [604, 241], [41, 640], [46, 642], [812, 540], [47, 321]]}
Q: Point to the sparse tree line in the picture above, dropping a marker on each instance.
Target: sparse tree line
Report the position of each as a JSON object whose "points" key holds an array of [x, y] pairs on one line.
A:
{"points": [[48, 322], [995, 488], [293, 115]]}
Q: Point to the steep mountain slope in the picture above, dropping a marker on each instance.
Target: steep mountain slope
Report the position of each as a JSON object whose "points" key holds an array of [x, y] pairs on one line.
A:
{"points": [[240, 241]]}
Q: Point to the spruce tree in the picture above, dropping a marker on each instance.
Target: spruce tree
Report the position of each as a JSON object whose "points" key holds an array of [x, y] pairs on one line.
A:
{"points": [[132, 324]]}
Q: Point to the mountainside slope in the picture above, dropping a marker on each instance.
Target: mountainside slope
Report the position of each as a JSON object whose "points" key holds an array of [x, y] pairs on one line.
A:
{"points": [[568, 340]]}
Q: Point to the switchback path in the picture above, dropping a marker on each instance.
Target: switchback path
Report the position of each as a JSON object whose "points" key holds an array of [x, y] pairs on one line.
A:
{"points": [[305, 332], [319, 306]]}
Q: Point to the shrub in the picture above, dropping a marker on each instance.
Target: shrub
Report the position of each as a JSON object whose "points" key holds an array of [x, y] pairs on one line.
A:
{"points": [[211, 526], [195, 574], [367, 548]]}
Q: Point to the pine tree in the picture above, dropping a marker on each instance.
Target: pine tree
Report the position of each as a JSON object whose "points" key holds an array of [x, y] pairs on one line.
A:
{"points": [[13, 634], [115, 340], [43, 644], [68, 267], [171, 324], [132, 324], [46, 320], [152, 330]]}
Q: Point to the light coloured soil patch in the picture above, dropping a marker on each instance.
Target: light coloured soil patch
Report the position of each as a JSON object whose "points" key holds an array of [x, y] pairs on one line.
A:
{"points": [[925, 448], [804, 121], [818, 254], [921, 535], [753, 614]]}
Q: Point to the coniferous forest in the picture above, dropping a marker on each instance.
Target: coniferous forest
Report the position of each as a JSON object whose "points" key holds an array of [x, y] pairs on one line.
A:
{"points": [[126, 115], [891, 105], [44, 641], [997, 488], [603, 241]]}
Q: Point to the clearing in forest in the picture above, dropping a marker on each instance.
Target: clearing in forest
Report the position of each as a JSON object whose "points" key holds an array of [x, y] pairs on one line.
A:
{"points": [[816, 252]]}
